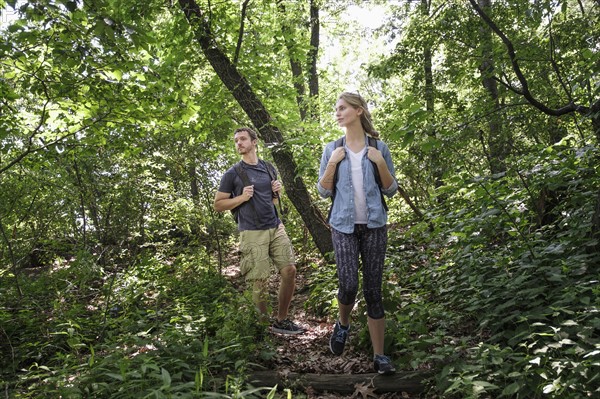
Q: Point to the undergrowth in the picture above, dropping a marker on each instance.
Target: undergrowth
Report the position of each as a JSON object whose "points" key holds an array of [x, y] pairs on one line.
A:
{"points": [[159, 328], [498, 303]]}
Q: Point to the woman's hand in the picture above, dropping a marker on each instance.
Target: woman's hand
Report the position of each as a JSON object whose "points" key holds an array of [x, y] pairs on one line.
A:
{"points": [[337, 155], [375, 155]]}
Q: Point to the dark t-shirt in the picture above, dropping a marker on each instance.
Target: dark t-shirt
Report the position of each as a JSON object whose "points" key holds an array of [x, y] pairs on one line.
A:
{"points": [[265, 216]]}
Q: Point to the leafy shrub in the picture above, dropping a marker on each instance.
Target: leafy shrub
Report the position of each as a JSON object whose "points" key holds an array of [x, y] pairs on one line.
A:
{"points": [[503, 303], [160, 328]]}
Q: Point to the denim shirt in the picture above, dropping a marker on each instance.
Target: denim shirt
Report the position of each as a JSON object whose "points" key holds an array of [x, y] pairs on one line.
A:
{"points": [[342, 213]]}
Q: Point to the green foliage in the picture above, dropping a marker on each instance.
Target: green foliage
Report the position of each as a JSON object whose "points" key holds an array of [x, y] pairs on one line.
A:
{"points": [[323, 295], [166, 327], [502, 308], [114, 130]]}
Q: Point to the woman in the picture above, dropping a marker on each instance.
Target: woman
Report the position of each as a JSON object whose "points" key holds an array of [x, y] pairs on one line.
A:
{"points": [[358, 219]]}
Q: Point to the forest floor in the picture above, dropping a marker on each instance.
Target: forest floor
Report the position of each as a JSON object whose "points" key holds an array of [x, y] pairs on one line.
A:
{"points": [[309, 352]]}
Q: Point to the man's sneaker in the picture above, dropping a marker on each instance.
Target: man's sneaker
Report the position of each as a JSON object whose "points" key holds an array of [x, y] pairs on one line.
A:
{"points": [[286, 326], [383, 365], [338, 338]]}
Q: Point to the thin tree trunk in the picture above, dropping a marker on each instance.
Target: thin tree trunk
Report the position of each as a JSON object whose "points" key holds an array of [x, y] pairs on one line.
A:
{"points": [[309, 73], [313, 76], [498, 143], [436, 168], [295, 65], [13, 260], [595, 110], [194, 191]]}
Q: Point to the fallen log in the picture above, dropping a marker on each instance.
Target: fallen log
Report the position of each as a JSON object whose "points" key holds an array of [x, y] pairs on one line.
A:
{"points": [[410, 382]]}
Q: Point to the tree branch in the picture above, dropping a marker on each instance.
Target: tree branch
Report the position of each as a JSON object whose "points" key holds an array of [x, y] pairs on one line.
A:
{"points": [[30, 150], [227, 72], [238, 47], [555, 65], [571, 107]]}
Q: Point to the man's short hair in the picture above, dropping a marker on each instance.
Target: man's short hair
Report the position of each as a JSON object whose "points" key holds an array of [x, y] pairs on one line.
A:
{"points": [[251, 132]]}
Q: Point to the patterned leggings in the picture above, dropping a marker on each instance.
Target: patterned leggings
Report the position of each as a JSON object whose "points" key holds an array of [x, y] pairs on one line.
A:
{"points": [[371, 245]]}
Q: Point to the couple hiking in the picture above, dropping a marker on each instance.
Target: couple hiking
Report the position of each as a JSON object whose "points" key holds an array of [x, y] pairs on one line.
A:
{"points": [[355, 171]]}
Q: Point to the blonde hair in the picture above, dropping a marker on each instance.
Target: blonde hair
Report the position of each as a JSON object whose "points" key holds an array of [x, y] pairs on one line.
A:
{"points": [[356, 101]]}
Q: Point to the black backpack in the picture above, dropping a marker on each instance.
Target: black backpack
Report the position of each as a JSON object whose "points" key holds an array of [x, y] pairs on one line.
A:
{"points": [[246, 182], [372, 143]]}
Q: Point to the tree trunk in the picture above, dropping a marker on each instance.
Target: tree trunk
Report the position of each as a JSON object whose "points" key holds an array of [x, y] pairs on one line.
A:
{"points": [[408, 382], [436, 167], [595, 111], [298, 72], [497, 142], [270, 134], [194, 191], [298, 76], [313, 77], [13, 260]]}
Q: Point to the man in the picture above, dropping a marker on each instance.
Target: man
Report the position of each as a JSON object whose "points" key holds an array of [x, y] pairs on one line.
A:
{"points": [[263, 240]]}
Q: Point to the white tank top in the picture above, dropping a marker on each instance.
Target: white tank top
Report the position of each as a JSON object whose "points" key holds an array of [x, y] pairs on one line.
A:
{"points": [[360, 202]]}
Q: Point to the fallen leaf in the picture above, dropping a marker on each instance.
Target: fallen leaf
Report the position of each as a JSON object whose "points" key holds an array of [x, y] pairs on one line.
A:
{"points": [[365, 390]]}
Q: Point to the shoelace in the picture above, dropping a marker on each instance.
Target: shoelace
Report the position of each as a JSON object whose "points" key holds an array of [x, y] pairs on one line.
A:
{"points": [[383, 360], [289, 325], [341, 336]]}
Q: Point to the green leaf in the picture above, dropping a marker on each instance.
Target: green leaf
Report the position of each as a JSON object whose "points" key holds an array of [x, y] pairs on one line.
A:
{"points": [[485, 385], [511, 389], [166, 377], [569, 323], [205, 348], [115, 376]]}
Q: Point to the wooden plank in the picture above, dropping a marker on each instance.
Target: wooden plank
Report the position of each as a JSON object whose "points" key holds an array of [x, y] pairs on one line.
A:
{"points": [[410, 382]]}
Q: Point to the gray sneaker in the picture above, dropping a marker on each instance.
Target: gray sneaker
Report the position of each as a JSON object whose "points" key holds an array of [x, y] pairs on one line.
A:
{"points": [[383, 365], [338, 338], [286, 326]]}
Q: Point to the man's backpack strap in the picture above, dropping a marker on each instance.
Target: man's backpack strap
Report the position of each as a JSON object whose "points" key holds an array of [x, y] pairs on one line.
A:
{"points": [[239, 169], [245, 182], [271, 169]]}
